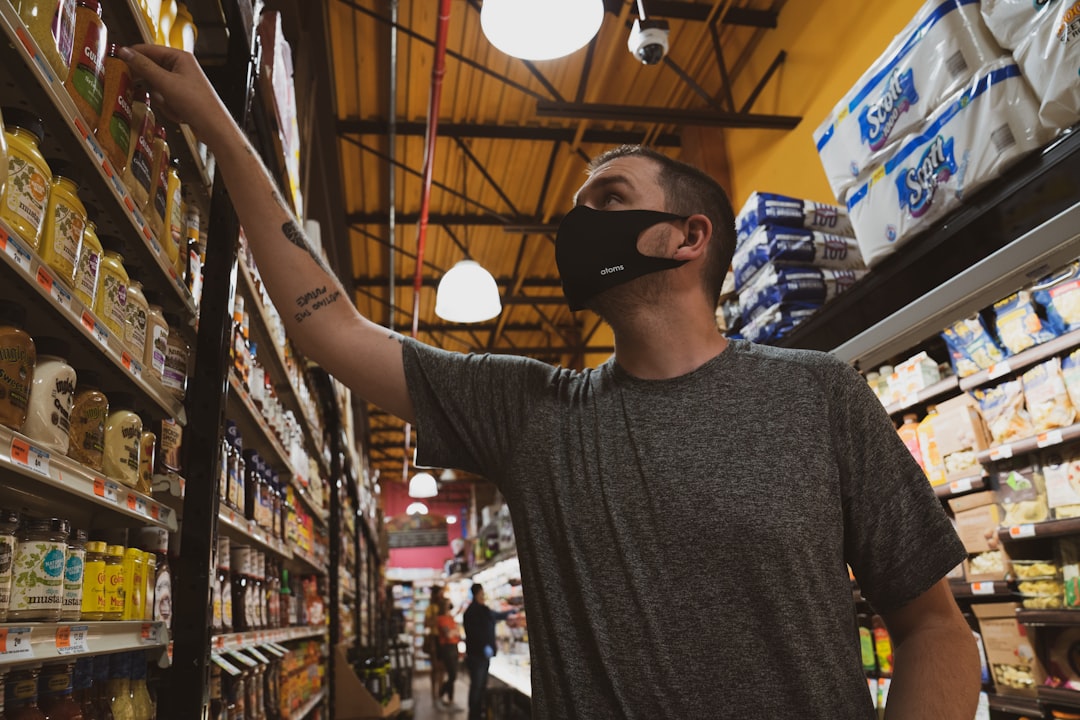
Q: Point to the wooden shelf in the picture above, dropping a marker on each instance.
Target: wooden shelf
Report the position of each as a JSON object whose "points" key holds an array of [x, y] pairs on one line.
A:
{"points": [[961, 486], [1015, 705], [1048, 528], [1060, 697], [1049, 618], [998, 589]]}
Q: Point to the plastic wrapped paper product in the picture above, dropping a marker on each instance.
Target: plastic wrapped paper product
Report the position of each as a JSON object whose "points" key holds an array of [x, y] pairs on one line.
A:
{"points": [[774, 285], [971, 340], [772, 209], [1002, 408], [1070, 371], [966, 143], [939, 51], [1046, 398], [1060, 295], [1044, 37], [1019, 325], [794, 246], [777, 321]]}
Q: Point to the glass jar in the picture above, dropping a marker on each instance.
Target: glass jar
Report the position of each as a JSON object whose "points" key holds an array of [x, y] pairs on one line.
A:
{"points": [[9, 521], [17, 358], [172, 229], [86, 81], [170, 442], [38, 586], [114, 583], [139, 174], [90, 409], [134, 584], [52, 25], [123, 431], [94, 605], [192, 228], [111, 303], [119, 690], [86, 274], [21, 694], [175, 375], [157, 201], [83, 681], [65, 224], [224, 578], [113, 130], [141, 704], [3, 162], [100, 692], [27, 190], [149, 585], [137, 309], [147, 453], [52, 394], [183, 34], [74, 572], [157, 337], [56, 691]]}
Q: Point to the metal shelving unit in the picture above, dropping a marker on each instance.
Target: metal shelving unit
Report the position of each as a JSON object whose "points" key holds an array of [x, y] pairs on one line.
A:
{"points": [[22, 643]]}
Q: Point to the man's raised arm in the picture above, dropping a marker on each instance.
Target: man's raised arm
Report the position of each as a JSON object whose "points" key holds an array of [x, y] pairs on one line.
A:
{"points": [[318, 314]]}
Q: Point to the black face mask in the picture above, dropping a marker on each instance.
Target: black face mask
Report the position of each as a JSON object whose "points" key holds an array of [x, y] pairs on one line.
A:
{"points": [[596, 250]]}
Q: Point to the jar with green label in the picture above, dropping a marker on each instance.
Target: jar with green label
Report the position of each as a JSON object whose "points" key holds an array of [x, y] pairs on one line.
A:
{"points": [[9, 521], [94, 581], [86, 274], [138, 310], [21, 694], [52, 394], [37, 588], [74, 571], [113, 130], [114, 582], [123, 433], [65, 224], [18, 356], [86, 81], [26, 193], [86, 439], [111, 303]]}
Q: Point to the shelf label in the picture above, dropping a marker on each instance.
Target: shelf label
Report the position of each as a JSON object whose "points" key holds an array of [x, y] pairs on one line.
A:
{"points": [[254, 652], [15, 643], [998, 369], [1022, 531], [81, 127], [15, 251], [960, 486], [29, 457], [1050, 438], [55, 290], [96, 149], [71, 639], [1004, 452], [131, 364], [142, 507], [909, 400], [269, 647], [149, 634], [164, 513], [155, 512], [236, 654], [107, 489], [96, 328], [225, 664], [982, 588]]}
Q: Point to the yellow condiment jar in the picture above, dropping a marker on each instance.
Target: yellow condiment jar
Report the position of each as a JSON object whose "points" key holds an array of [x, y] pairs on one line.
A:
{"points": [[137, 311], [157, 338], [157, 202], [165, 21], [139, 175], [26, 194], [52, 25], [134, 584], [172, 230], [94, 582], [3, 156], [114, 583], [111, 303], [65, 225], [183, 33], [147, 454], [123, 433], [86, 275]]}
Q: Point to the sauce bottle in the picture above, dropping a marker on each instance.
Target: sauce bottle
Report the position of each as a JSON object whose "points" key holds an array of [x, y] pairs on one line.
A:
{"points": [[38, 586], [192, 228], [94, 605], [86, 81], [140, 160], [120, 687], [90, 409], [17, 358], [83, 682], [114, 582], [86, 274], [159, 182], [74, 574], [909, 433], [174, 377], [52, 395], [155, 541], [170, 443], [113, 130], [147, 453], [111, 303], [150, 573], [26, 193], [138, 310], [102, 699], [172, 229], [184, 33], [21, 694], [52, 25], [56, 690], [134, 584], [157, 337], [141, 704], [65, 223], [9, 521], [883, 650], [123, 431]]}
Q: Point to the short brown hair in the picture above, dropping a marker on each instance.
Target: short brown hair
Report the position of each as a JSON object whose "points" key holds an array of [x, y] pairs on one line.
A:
{"points": [[688, 190]]}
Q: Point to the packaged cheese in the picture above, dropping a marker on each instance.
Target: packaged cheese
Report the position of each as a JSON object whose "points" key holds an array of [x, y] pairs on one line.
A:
{"points": [[1022, 492], [1002, 408], [1061, 473], [972, 340], [1018, 323], [1060, 296], [1046, 398]]}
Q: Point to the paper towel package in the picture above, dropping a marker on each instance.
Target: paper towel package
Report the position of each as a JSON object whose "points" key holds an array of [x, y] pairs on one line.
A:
{"points": [[772, 209], [936, 54], [793, 285], [776, 321], [966, 143], [1045, 40], [793, 246]]}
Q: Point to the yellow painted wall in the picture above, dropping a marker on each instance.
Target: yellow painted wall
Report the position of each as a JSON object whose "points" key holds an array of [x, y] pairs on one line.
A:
{"points": [[830, 43]]}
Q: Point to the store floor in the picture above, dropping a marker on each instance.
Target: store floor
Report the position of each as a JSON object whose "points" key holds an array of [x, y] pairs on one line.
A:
{"points": [[424, 708]]}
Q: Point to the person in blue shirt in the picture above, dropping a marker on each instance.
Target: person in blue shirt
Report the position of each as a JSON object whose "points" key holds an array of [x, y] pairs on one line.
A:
{"points": [[479, 626]]}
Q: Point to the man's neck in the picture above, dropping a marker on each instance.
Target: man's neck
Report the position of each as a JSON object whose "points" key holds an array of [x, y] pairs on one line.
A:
{"points": [[652, 347]]}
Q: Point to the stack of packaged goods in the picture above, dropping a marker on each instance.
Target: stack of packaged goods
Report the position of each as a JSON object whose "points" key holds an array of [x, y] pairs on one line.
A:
{"points": [[792, 257], [907, 144]]}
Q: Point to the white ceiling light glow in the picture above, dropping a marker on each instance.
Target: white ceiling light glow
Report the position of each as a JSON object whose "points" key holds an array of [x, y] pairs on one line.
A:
{"points": [[541, 29], [451, 519], [417, 508], [467, 293], [422, 486]]}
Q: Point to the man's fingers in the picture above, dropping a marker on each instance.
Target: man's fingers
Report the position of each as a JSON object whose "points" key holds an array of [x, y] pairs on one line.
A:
{"points": [[147, 66]]}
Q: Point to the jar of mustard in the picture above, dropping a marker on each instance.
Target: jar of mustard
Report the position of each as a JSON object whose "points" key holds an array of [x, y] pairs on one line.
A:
{"points": [[111, 303], [134, 584], [86, 81], [65, 224], [17, 359], [26, 193], [48, 418], [114, 583], [183, 33], [94, 581], [86, 274], [3, 156], [123, 432], [157, 202], [40, 555], [157, 336], [113, 129], [74, 570], [175, 374], [9, 522], [52, 25], [172, 229], [86, 439], [147, 455], [139, 175], [137, 311]]}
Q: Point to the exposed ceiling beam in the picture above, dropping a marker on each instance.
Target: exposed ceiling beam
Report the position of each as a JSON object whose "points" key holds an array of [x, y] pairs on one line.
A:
{"points": [[505, 132], [665, 116], [432, 281], [683, 10], [520, 224]]}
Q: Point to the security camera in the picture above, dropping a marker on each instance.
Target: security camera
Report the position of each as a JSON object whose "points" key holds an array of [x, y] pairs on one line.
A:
{"points": [[649, 40]]}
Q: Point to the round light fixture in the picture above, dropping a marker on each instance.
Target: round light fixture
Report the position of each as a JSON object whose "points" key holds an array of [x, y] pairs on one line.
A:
{"points": [[533, 30], [423, 485], [417, 508], [451, 519], [467, 294]]}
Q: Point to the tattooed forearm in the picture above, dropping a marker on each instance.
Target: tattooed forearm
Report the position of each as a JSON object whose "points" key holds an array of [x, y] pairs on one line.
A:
{"points": [[313, 301], [296, 236]]}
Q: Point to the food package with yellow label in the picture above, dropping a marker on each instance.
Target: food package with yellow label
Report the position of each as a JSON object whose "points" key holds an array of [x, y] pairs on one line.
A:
{"points": [[1002, 408], [1022, 492], [1059, 294], [1046, 398], [1019, 325]]}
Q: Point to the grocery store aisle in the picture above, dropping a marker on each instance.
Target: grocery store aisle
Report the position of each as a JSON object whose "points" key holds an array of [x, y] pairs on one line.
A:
{"points": [[425, 710]]}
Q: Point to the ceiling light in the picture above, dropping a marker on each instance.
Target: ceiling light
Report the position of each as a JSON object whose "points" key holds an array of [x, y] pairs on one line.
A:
{"points": [[423, 485], [417, 508], [533, 30], [448, 475], [467, 294], [451, 519]]}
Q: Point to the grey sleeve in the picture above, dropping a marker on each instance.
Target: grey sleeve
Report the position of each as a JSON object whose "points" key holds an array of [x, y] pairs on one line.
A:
{"points": [[897, 538], [470, 409]]}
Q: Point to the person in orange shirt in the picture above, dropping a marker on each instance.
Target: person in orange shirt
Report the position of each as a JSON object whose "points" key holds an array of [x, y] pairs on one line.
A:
{"points": [[449, 637]]}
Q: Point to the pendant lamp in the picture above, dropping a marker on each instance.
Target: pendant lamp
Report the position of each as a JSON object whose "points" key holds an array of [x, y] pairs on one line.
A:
{"points": [[467, 294], [423, 485], [541, 30], [417, 508]]}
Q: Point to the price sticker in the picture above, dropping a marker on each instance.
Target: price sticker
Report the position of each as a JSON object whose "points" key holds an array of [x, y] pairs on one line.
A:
{"points": [[29, 457], [960, 486], [149, 634], [131, 502], [44, 278], [88, 321], [982, 588], [142, 507], [998, 369], [1051, 438], [1004, 452], [164, 513], [81, 127], [155, 512], [71, 639], [909, 400], [1026, 530], [18, 255], [15, 643], [131, 364], [95, 148]]}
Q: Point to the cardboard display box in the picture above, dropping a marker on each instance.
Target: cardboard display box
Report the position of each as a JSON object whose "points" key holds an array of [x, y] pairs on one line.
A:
{"points": [[959, 427], [352, 701], [1009, 650], [976, 515]]}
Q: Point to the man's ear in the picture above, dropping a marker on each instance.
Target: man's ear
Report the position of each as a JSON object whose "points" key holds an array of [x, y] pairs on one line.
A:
{"points": [[696, 241]]}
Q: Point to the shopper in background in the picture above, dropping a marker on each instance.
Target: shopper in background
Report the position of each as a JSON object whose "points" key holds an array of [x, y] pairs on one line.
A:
{"points": [[448, 654], [431, 640], [480, 647], [684, 512]]}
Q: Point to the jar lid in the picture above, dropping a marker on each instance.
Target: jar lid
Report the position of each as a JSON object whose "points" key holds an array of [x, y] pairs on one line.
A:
{"points": [[96, 546], [91, 4], [52, 346], [121, 401], [78, 537], [29, 121], [133, 553], [12, 313], [61, 169], [87, 379], [115, 551], [8, 516], [51, 525]]}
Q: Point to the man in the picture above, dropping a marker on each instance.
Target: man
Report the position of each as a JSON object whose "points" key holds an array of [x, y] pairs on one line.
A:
{"points": [[480, 647], [685, 511]]}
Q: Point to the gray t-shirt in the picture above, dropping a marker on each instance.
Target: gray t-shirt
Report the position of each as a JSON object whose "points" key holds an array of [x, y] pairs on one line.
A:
{"points": [[683, 542]]}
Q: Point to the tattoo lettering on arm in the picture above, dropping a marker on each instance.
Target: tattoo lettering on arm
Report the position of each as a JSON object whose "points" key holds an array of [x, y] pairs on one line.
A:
{"points": [[296, 236], [314, 300]]}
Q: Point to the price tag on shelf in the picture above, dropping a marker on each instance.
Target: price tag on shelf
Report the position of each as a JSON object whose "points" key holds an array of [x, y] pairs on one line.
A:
{"points": [[982, 588], [131, 502], [27, 456], [81, 127], [96, 328], [225, 664], [269, 647], [131, 364], [909, 400], [142, 507], [1026, 530], [96, 149], [107, 489], [998, 369], [960, 486], [18, 255], [155, 511], [1050, 438], [149, 634], [56, 291], [71, 639], [15, 643], [1002, 452], [243, 658]]}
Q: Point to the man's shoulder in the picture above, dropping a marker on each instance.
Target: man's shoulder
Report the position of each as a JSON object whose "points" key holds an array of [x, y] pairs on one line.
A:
{"points": [[814, 360]]}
